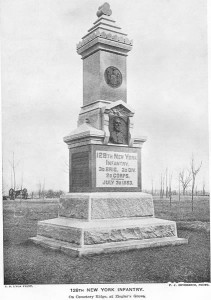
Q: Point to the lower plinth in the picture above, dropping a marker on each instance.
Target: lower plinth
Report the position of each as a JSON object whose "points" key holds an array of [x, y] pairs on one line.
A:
{"points": [[75, 251], [80, 237]]}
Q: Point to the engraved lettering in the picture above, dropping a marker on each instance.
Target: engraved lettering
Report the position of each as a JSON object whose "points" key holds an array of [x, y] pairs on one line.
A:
{"points": [[115, 169]]}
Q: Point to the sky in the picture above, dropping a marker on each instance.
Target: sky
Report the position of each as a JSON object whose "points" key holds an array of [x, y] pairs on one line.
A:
{"points": [[42, 85]]}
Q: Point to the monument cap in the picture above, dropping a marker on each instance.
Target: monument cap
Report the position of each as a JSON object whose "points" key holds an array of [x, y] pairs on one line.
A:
{"points": [[104, 35], [104, 10]]}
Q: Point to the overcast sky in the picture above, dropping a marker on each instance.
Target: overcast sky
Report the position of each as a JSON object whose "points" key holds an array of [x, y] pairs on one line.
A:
{"points": [[42, 84]]}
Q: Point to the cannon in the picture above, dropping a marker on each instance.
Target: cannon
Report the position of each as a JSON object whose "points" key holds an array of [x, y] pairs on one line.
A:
{"points": [[14, 194]]}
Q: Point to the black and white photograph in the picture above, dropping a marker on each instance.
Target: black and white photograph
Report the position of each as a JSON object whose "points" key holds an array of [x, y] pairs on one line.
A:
{"points": [[105, 148]]}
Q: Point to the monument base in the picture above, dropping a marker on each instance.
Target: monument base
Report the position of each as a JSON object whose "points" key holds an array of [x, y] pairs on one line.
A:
{"points": [[112, 205], [81, 237]]}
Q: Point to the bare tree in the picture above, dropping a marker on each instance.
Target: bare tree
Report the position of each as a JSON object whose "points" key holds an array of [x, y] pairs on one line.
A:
{"points": [[194, 172], [22, 176], [152, 190], [203, 189], [161, 186], [185, 179], [13, 165], [179, 186], [41, 189], [162, 183], [166, 182], [169, 190]]}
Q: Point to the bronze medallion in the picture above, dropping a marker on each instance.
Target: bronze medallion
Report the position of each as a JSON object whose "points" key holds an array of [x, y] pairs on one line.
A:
{"points": [[113, 77]]}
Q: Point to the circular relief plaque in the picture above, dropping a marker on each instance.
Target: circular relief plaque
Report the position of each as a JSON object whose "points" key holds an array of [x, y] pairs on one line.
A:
{"points": [[113, 77]]}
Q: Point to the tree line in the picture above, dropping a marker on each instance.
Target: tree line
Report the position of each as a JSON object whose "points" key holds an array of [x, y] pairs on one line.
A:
{"points": [[186, 179]]}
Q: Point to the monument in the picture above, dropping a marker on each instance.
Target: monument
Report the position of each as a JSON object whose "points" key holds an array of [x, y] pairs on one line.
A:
{"points": [[105, 209]]}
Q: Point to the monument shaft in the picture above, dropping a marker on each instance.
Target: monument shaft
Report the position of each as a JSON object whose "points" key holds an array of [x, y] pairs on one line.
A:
{"points": [[105, 209]]}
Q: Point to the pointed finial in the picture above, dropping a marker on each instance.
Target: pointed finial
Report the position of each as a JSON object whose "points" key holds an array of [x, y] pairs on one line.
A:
{"points": [[104, 10]]}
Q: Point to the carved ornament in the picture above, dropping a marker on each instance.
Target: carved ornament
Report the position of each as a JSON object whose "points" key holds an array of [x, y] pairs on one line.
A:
{"points": [[104, 10]]}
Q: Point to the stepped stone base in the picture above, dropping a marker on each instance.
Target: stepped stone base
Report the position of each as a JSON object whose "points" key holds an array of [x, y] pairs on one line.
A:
{"points": [[93, 206], [81, 237], [72, 250]]}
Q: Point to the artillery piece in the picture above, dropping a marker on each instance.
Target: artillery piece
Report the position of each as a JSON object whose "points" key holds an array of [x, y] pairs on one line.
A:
{"points": [[14, 194]]}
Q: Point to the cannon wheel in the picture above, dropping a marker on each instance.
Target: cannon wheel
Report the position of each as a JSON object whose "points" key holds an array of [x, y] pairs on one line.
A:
{"points": [[25, 194], [12, 194]]}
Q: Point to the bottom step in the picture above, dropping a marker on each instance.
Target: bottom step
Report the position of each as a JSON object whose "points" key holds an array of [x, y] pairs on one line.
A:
{"points": [[73, 250]]}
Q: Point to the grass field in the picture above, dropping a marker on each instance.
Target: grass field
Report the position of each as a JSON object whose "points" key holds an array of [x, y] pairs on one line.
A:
{"points": [[26, 263], [182, 210]]}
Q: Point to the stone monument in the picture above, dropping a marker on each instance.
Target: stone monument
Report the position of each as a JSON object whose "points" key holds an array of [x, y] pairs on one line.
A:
{"points": [[105, 209]]}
